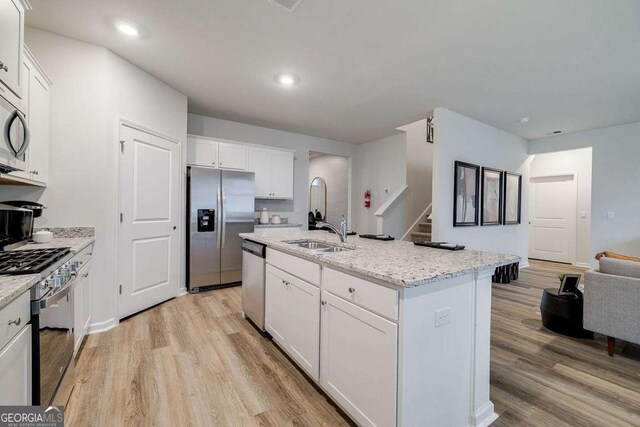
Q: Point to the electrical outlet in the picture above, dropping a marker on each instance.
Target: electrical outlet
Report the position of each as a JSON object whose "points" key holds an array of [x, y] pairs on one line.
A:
{"points": [[443, 316]]}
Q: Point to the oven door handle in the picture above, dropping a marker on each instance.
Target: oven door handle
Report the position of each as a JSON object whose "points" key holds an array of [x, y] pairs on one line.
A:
{"points": [[36, 306]]}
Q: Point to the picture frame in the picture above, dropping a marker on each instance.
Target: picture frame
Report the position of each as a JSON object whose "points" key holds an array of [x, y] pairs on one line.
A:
{"points": [[569, 284], [512, 209], [466, 194], [491, 209]]}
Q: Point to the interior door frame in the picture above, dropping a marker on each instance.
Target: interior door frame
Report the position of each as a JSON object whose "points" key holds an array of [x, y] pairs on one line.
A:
{"points": [[123, 122], [574, 241]]}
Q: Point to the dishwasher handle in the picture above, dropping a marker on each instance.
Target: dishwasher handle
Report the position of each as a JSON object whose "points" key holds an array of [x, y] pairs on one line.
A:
{"points": [[254, 248]]}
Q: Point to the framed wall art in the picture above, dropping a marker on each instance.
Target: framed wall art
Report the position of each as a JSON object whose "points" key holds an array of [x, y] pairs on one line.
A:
{"points": [[466, 194], [491, 210], [512, 198]]}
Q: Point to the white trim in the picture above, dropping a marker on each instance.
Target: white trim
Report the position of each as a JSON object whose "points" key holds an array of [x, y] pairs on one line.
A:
{"points": [[391, 200], [213, 138], [582, 264], [98, 327], [35, 62], [422, 217], [182, 291], [524, 264]]}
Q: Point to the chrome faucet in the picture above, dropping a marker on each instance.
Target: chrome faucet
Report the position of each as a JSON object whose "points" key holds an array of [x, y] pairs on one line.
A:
{"points": [[342, 231]]}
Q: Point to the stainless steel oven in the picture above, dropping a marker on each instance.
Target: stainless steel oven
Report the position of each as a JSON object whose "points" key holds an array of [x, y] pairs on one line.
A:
{"points": [[52, 322]]}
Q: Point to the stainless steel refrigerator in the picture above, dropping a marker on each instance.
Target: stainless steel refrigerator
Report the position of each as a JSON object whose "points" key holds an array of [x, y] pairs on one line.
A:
{"points": [[220, 205]]}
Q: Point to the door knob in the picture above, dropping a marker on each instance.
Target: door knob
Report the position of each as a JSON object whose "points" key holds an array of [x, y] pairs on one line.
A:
{"points": [[174, 227], [3, 67]]}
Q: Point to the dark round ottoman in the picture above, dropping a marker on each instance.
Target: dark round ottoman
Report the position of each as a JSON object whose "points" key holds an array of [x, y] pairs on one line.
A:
{"points": [[563, 313]]}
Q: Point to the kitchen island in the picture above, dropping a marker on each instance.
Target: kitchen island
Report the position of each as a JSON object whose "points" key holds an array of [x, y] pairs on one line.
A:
{"points": [[394, 333]]}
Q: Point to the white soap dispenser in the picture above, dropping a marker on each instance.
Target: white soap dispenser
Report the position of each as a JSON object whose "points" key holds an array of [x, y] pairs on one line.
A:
{"points": [[264, 216]]}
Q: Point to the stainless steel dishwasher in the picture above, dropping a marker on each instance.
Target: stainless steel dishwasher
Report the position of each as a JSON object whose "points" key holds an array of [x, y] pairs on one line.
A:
{"points": [[253, 277]]}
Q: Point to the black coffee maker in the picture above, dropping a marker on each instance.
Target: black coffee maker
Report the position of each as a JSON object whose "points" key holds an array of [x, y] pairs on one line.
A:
{"points": [[16, 226]]}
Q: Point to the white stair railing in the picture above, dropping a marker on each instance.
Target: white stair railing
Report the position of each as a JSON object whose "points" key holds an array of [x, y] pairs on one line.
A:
{"points": [[420, 219]]}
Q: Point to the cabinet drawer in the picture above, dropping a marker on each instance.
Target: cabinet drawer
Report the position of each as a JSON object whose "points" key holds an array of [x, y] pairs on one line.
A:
{"points": [[374, 297], [18, 311], [306, 270]]}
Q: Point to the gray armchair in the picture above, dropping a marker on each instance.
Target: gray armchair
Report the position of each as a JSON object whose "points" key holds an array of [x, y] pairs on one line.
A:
{"points": [[612, 300]]}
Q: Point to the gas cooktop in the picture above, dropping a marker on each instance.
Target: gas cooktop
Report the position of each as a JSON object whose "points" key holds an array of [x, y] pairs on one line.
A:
{"points": [[30, 261]]}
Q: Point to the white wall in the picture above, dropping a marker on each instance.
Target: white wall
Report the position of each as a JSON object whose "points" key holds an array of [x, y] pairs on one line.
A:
{"points": [[91, 89], [419, 171], [578, 162], [297, 209], [378, 165], [335, 172], [460, 138], [615, 183]]}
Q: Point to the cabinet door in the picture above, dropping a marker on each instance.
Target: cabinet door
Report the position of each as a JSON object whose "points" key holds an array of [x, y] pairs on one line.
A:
{"points": [[202, 152], [11, 40], [304, 340], [259, 162], [77, 301], [39, 127], [359, 361], [86, 297], [282, 174], [15, 369], [276, 313], [232, 156]]}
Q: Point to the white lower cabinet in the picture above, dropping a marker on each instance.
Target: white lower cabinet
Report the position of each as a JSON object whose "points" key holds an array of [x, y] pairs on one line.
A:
{"points": [[292, 317], [15, 370], [81, 305], [358, 361]]}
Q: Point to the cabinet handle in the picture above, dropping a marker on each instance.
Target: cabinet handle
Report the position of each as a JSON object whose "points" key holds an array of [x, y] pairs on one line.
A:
{"points": [[19, 319], [323, 302], [351, 290], [3, 67], [85, 275]]}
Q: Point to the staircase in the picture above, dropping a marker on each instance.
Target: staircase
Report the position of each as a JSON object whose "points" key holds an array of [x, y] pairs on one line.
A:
{"points": [[423, 233]]}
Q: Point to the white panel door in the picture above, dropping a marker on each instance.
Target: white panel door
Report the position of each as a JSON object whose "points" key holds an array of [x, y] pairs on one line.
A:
{"points": [[15, 370], [232, 156], [304, 341], [282, 174], [259, 162], [552, 229], [202, 152], [150, 229], [276, 307], [358, 361]]}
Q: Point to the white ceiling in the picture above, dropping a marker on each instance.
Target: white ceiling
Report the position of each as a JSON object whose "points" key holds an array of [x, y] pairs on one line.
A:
{"points": [[369, 66]]}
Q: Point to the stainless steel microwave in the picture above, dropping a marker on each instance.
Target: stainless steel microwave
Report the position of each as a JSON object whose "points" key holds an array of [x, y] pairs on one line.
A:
{"points": [[15, 137]]}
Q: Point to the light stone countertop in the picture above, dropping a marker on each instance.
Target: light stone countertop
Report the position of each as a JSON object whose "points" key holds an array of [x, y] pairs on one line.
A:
{"points": [[277, 225], [12, 287], [75, 243], [397, 262]]}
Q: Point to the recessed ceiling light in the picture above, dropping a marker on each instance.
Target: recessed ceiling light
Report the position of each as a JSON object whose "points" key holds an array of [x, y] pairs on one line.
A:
{"points": [[127, 29], [286, 79], [524, 120]]}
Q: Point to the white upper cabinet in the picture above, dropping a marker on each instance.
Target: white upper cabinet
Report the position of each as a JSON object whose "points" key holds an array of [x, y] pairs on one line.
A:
{"points": [[273, 167], [35, 105], [274, 172], [11, 40], [202, 152]]}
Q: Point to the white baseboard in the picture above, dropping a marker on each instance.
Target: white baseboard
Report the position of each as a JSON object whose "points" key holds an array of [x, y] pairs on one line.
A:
{"points": [[582, 264], [98, 327], [485, 415], [182, 291], [524, 264]]}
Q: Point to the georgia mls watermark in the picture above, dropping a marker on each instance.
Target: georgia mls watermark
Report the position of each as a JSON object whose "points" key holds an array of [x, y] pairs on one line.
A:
{"points": [[31, 416]]}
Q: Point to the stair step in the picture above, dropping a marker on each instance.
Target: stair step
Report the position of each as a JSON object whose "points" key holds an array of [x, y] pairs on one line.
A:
{"points": [[418, 236], [425, 227]]}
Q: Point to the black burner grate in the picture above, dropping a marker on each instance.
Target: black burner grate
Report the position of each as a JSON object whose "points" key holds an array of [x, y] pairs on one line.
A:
{"points": [[29, 261]]}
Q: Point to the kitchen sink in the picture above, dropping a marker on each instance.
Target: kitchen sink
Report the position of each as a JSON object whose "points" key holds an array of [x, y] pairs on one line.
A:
{"points": [[317, 246]]}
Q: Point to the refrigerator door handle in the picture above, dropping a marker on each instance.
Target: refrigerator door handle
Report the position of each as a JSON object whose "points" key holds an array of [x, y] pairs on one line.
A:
{"points": [[220, 208], [224, 218]]}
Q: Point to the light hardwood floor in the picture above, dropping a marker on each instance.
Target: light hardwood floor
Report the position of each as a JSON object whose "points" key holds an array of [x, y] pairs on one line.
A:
{"points": [[195, 361]]}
